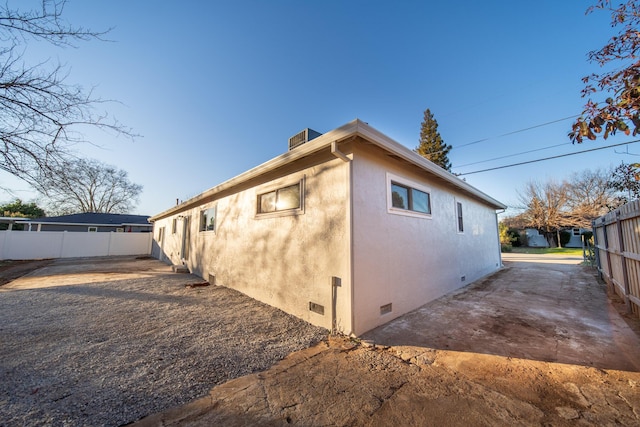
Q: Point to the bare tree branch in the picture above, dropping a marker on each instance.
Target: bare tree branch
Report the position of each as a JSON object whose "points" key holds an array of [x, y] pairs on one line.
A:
{"points": [[88, 186], [41, 115]]}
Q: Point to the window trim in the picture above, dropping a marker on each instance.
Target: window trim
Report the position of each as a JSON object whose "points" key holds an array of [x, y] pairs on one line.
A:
{"points": [[395, 179], [202, 227], [92, 229], [459, 217], [284, 212]]}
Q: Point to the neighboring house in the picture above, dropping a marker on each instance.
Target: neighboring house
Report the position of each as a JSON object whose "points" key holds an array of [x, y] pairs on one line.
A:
{"points": [[575, 241], [9, 222], [347, 230], [535, 239], [91, 221]]}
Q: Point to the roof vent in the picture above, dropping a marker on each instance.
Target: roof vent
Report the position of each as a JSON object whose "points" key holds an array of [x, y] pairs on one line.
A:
{"points": [[302, 137]]}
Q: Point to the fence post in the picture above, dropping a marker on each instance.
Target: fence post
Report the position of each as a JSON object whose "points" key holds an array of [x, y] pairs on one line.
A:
{"points": [[612, 285], [596, 251], [625, 274]]}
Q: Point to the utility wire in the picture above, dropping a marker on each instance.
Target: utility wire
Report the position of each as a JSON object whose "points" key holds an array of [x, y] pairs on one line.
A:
{"points": [[549, 158], [515, 131], [513, 155]]}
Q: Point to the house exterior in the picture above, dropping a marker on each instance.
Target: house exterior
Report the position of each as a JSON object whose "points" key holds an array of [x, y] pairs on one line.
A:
{"points": [[347, 231], [535, 239], [91, 222], [575, 241]]}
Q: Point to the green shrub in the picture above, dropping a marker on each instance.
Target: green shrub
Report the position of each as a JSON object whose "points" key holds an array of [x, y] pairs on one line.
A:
{"points": [[565, 236], [506, 248], [515, 237]]}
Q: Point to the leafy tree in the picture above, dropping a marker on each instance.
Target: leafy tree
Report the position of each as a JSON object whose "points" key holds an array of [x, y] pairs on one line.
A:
{"points": [[88, 186], [506, 238], [23, 210], [625, 180], [431, 145], [40, 113], [621, 83]]}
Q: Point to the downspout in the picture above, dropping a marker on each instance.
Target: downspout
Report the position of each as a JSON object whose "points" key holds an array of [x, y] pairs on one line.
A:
{"points": [[336, 281], [500, 264], [339, 154]]}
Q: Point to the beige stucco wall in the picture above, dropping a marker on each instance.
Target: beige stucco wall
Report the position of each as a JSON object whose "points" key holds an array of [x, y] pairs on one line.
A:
{"points": [[409, 261], [286, 261]]}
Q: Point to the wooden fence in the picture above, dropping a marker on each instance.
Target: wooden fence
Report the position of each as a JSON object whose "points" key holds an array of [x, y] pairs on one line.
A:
{"points": [[617, 241]]}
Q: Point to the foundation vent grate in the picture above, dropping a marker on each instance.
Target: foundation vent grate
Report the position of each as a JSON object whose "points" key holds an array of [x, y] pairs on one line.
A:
{"points": [[316, 308], [384, 309]]}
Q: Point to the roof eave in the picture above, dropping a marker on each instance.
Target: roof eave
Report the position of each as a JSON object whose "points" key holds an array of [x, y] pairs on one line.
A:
{"points": [[380, 139], [354, 128]]}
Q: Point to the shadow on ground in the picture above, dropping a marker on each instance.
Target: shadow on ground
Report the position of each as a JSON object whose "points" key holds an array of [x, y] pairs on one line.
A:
{"points": [[555, 311]]}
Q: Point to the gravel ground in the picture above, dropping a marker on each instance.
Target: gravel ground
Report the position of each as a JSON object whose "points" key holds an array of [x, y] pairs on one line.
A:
{"points": [[107, 353]]}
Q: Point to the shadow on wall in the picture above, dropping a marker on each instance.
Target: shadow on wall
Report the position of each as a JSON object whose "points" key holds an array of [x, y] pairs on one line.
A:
{"points": [[271, 254]]}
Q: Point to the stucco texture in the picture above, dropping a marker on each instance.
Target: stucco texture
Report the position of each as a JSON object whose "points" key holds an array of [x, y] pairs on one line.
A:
{"points": [[345, 230], [408, 260], [285, 260]]}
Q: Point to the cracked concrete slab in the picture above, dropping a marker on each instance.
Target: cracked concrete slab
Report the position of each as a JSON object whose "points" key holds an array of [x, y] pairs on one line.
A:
{"points": [[532, 345], [554, 311]]}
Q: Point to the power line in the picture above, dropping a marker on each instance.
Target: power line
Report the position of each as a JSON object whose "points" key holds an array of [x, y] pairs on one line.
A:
{"points": [[513, 155], [549, 158], [515, 131]]}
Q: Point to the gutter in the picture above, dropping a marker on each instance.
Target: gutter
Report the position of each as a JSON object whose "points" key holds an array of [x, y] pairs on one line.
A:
{"points": [[331, 139]]}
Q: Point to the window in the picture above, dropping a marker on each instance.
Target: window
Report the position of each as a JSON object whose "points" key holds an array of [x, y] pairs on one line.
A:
{"points": [[459, 212], [174, 225], [208, 219], [576, 231], [283, 199], [409, 198], [93, 229]]}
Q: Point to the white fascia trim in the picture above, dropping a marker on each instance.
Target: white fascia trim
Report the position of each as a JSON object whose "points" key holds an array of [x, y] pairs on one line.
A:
{"points": [[353, 128], [403, 152]]}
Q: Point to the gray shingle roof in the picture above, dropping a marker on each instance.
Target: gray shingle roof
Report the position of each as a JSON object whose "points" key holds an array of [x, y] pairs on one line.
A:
{"points": [[96, 218]]}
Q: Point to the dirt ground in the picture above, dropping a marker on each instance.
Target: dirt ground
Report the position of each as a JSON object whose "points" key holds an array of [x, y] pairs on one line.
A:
{"points": [[517, 365], [507, 371], [107, 341]]}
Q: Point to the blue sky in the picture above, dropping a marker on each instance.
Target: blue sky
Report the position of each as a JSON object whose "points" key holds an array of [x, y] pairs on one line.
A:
{"points": [[215, 88]]}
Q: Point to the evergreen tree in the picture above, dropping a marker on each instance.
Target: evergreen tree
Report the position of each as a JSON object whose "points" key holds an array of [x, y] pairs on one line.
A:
{"points": [[23, 210], [431, 145]]}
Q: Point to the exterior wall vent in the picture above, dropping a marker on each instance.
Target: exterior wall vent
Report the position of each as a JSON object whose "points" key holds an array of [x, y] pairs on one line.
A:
{"points": [[300, 138], [384, 309], [316, 308]]}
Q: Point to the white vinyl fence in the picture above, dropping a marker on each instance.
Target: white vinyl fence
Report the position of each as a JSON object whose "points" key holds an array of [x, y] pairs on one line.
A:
{"points": [[22, 245]]}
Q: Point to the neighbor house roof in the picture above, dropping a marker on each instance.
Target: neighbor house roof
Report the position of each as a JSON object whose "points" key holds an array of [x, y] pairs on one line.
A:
{"points": [[330, 140], [94, 218]]}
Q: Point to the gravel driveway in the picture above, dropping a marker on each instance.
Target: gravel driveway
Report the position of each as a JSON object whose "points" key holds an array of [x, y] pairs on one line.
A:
{"points": [[104, 342]]}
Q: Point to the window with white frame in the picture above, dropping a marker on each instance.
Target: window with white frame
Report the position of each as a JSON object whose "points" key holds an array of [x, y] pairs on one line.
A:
{"points": [[406, 197], [208, 219], [92, 229], [282, 199], [459, 215]]}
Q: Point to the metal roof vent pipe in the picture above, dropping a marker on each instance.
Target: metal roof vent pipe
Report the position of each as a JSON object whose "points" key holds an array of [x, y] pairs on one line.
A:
{"points": [[300, 138]]}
